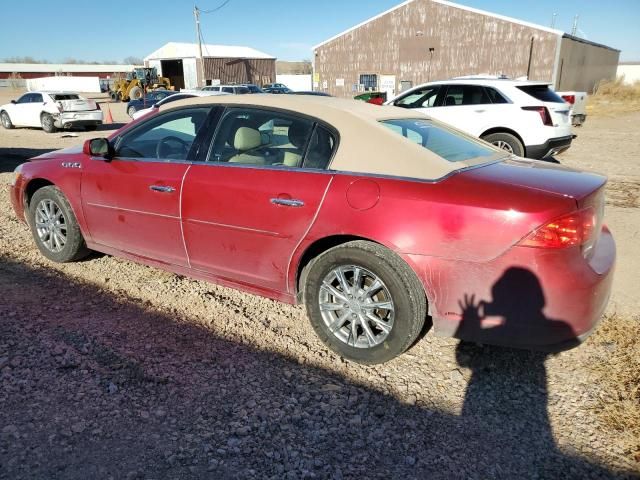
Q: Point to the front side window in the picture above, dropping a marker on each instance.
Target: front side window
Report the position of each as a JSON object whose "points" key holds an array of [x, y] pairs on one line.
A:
{"points": [[419, 98], [170, 136], [259, 137], [25, 98], [36, 98], [447, 144], [466, 95]]}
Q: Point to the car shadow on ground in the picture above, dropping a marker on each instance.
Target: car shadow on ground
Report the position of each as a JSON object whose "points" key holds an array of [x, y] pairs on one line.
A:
{"points": [[10, 158], [98, 385]]}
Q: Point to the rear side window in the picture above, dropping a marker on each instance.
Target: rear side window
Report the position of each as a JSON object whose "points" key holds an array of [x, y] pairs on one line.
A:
{"points": [[542, 93], [227, 89], [64, 96], [466, 95], [495, 96], [447, 144]]}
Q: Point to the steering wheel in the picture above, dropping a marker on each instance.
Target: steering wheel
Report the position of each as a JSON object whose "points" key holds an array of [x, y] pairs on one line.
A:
{"points": [[164, 148]]}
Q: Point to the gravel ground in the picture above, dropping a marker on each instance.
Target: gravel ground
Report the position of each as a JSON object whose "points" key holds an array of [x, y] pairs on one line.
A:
{"points": [[111, 369]]}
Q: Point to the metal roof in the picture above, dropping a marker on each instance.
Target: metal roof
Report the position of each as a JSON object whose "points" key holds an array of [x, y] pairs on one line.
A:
{"points": [[63, 68], [448, 4], [176, 50]]}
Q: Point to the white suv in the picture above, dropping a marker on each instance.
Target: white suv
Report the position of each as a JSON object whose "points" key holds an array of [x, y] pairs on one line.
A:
{"points": [[526, 118]]}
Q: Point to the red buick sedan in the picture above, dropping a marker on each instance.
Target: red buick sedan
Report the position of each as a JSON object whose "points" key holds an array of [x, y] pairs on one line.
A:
{"points": [[381, 222]]}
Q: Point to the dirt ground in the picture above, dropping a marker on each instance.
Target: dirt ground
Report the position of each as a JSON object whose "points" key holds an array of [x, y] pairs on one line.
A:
{"points": [[111, 369]]}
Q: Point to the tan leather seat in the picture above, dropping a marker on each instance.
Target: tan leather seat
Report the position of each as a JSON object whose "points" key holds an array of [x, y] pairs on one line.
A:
{"points": [[247, 141]]}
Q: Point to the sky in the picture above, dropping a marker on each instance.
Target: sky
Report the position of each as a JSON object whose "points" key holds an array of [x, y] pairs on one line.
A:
{"points": [[287, 29]]}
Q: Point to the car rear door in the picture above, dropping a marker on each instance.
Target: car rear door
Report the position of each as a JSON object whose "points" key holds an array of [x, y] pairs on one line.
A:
{"points": [[246, 209], [466, 107], [132, 203]]}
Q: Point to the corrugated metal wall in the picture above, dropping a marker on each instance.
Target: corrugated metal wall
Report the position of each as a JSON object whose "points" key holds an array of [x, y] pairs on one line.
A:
{"points": [[583, 65], [464, 43], [237, 70]]}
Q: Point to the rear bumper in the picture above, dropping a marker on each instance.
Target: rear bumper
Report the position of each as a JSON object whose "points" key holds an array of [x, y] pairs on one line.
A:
{"points": [[553, 146], [527, 298], [68, 119]]}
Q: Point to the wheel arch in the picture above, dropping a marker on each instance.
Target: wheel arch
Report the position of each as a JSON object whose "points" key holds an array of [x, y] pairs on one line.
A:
{"points": [[321, 245], [33, 186]]}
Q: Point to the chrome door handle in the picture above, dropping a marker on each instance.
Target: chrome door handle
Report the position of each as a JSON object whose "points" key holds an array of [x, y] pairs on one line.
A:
{"points": [[287, 202], [162, 188]]}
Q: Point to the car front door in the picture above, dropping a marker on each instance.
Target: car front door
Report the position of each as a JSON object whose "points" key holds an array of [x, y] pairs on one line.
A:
{"points": [[247, 208], [19, 111], [132, 203]]}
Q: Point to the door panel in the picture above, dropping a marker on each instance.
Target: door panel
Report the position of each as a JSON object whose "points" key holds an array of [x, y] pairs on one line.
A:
{"points": [[233, 228], [124, 212]]}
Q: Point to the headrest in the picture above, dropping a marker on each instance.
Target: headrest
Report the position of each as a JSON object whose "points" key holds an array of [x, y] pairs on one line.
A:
{"points": [[246, 139], [298, 133]]}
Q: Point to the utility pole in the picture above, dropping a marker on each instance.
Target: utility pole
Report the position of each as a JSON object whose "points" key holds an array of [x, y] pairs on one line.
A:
{"points": [[574, 30], [196, 15]]}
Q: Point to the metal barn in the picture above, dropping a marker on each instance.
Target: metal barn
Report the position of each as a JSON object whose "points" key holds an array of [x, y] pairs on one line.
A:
{"points": [[426, 40], [223, 64]]}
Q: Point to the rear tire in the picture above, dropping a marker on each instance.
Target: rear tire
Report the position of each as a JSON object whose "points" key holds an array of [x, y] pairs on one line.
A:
{"points": [[47, 122], [54, 226], [345, 318], [6, 121], [507, 142]]}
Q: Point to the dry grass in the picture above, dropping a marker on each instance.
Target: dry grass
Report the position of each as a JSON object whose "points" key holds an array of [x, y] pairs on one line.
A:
{"points": [[614, 96], [617, 341]]}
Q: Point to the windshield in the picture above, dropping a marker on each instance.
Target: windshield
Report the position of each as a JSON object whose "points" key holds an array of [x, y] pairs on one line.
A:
{"points": [[447, 144]]}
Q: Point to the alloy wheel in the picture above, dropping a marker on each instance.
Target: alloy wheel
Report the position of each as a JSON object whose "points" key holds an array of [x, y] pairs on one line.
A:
{"points": [[356, 306], [51, 225], [503, 145]]}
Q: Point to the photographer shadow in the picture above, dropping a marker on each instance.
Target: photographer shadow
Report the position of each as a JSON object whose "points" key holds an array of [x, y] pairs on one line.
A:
{"points": [[507, 397]]}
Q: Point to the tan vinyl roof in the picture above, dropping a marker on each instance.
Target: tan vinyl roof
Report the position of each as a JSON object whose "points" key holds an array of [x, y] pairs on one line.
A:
{"points": [[366, 146]]}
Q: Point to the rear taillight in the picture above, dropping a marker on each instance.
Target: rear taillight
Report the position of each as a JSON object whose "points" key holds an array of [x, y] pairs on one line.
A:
{"points": [[545, 116], [575, 229], [570, 99]]}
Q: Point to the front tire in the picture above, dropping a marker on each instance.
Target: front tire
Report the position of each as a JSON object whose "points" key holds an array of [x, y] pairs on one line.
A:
{"points": [[54, 226], [507, 142], [364, 302], [135, 93], [131, 111], [47, 122], [6, 121]]}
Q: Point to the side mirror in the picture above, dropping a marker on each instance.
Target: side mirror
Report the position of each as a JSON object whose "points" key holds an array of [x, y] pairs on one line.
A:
{"points": [[98, 147], [13, 101]]}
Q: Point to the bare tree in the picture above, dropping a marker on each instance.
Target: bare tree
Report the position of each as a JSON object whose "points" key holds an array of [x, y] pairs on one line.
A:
{"points": [[133, 61]]}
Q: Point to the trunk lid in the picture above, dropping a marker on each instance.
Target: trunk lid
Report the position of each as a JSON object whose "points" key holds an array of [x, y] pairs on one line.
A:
{"points": [[73, 103], [543, 176]]}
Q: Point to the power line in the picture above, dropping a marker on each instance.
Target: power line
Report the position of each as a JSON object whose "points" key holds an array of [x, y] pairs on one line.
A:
{"points": [[222, 5]]}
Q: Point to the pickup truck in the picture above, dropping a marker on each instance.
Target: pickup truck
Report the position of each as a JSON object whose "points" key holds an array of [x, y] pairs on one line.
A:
{"points": [[51, 111], [578, 103]]}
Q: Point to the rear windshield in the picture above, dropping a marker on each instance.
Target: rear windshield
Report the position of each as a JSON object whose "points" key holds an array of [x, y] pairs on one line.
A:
{"points": [[450, 145], [64, 96], [542, 93]]}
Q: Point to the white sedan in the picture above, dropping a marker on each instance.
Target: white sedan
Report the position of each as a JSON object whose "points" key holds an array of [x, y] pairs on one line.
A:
{"points": [[51, 111]]}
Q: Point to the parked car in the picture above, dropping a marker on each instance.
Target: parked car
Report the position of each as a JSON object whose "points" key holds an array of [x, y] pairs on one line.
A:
{"points": [[275, 85], [173, 98], [578, 103], [525, 118], [51, 111], [233, 89], [277, 90], [253, 88], [149, 100], [377, 98], [371, 216]]}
